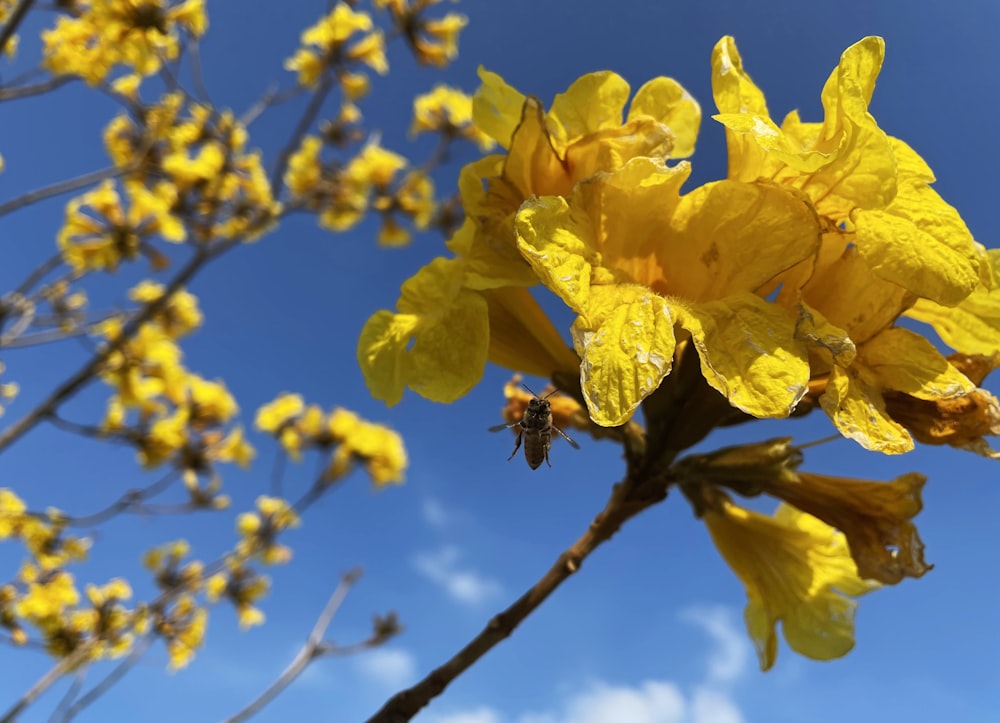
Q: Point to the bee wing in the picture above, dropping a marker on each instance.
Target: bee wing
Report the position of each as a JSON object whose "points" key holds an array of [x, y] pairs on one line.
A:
{"points": [[565, 436], [501, 427]]}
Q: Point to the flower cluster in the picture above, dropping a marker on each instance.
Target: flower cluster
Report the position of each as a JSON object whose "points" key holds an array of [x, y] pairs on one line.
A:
{"points": [[349, 438], [98, 35], [168, 413], [773, 291], [342, 193], [434, 41]]}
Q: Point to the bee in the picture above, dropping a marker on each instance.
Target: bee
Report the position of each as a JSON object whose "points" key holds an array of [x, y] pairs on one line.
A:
{"points": [[535, 428]]}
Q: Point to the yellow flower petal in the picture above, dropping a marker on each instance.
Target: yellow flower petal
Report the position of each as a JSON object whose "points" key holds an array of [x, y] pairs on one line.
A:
{"points": [[749, 353], [435, 311], [496, 107], [625, 339], [972, 327], [665, 100], [797, 570], [906, 362], [592, 103], [858, 411]]}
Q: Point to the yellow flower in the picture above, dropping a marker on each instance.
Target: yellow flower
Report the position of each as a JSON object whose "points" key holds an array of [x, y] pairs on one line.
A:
{"points": [[181, 314], [104, 33], [259, 530], [326, 44], [797, 570], [378, 448], [275, 415], [888, 239], [242, 587], [638, 262], [447, 111], [112, 234], [478, 295]]}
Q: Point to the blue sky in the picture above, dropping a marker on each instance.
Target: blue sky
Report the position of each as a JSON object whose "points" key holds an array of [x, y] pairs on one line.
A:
{"points": [[651, 628]]}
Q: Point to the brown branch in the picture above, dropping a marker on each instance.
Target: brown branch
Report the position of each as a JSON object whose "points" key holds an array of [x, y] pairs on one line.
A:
{"points": [[629, 498], [57, 189], [16, 18], [27, 91]]}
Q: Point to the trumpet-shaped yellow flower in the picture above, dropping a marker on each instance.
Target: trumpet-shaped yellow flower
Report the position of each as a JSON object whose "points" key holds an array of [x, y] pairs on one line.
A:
{"points": [[889, 239], [639, 263], [477, 296], [797, 570]]}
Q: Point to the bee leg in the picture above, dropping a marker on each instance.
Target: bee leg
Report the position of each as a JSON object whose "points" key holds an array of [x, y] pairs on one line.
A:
{"points": [[517, 445], [547, 456]]}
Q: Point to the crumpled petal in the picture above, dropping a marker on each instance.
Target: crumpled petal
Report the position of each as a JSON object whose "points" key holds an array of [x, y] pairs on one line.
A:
{"points": [[858, 411], [904, 361], [972, 327], [729, 237], [749, 353], [875, 517], [625, 340]]}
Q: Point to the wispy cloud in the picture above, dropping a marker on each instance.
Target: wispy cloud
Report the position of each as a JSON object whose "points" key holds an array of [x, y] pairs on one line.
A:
{"points": [[463, 584], [730, 658], [434, 513], [390, 667], [650, 701]]}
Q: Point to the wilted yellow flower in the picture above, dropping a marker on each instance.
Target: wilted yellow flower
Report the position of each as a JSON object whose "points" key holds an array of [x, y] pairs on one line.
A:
{"points": [[797, 571]]}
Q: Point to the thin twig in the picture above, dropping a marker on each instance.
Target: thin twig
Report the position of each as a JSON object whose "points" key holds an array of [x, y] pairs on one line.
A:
{"points": [[67, 700], [313, 648], [27, 91], [56, 672], [271, 97], [15, 19], [57, 189], [197, 78], [111, 679], [87, 372], [308, 116]]}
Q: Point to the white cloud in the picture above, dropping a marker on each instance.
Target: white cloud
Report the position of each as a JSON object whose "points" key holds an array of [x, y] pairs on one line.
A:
{"points": [[479, 715], [651, 701], [730, 658], [434, 513], [463, 584], [391, 667]]}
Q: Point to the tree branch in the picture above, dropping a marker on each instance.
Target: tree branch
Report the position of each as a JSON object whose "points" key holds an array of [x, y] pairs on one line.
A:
{"points": [[314, 648], [629, 498]]}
